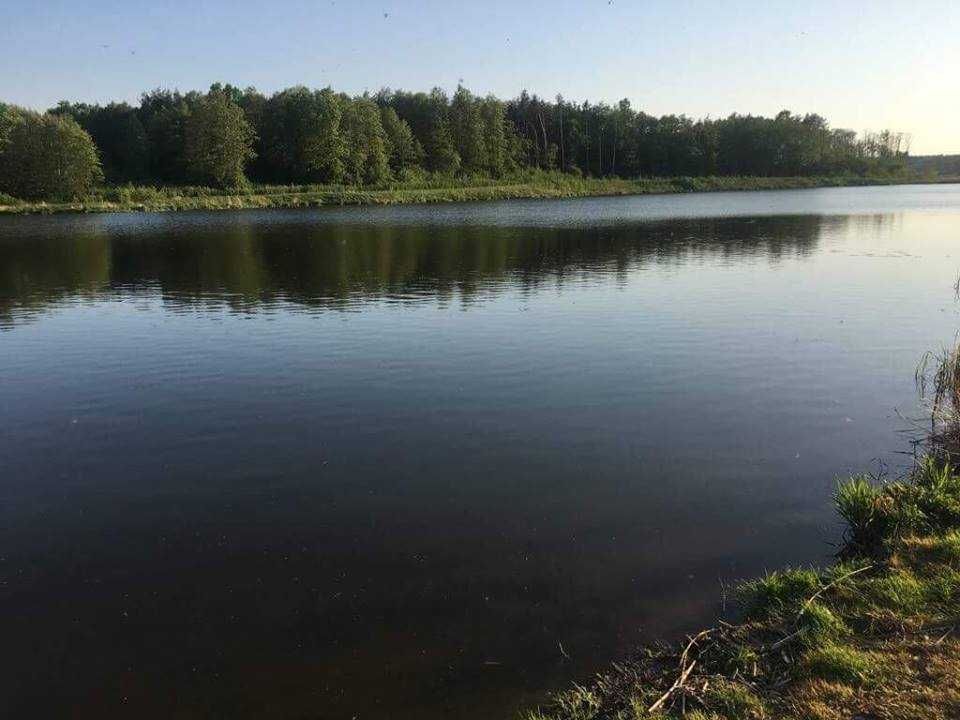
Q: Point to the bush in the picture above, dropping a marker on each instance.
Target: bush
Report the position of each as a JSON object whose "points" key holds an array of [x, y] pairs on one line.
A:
{"points": [[48, 157]]}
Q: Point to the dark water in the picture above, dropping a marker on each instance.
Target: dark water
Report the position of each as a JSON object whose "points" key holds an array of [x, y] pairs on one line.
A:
{"points": [[385, 463]]}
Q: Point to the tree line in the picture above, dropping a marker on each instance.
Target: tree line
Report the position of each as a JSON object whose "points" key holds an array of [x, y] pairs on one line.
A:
{"points": [[228, 137], [935, 165]]}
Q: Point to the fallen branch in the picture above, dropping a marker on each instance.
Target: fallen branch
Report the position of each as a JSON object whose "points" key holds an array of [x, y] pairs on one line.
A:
{"points": [[685, 671], [676, 686]]}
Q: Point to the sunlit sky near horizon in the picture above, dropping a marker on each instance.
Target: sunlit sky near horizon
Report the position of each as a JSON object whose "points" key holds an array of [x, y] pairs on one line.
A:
{"points": [[863, 65]]}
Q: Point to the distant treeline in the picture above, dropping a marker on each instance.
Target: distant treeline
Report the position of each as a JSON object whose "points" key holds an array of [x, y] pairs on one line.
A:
{"points": [[228, 137], [935, 165]]}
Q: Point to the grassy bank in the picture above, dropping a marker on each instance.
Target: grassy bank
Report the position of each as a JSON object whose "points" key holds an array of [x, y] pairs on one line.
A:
{"points": [[429, 190], [877, 635]]}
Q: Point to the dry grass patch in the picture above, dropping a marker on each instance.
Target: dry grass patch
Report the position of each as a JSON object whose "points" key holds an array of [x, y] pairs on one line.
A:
{"points": [[918, 679]]}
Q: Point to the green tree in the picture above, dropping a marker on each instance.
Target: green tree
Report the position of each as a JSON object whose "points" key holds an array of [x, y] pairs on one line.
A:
{"points": [[302, 139], [405, 151], [253, 103], [9, 116], [48, 157], [440, 147], [367, 159], [164, 117], [134, 154], [466, 126], [499, 141], [119, 135], [218, 141], [323, 146]]}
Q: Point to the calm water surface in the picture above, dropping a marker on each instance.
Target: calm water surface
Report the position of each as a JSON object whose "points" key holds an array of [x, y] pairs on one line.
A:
{"points": [[384, 463]]}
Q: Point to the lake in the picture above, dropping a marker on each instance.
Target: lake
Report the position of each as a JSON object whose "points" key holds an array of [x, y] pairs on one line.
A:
{"points": [[433, 462]]}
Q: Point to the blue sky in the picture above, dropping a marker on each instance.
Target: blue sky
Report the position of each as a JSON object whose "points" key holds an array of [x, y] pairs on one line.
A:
{"points": [[864, 65]]}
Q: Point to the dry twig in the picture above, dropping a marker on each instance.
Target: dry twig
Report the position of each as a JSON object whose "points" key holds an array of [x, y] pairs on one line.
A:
{"points": [[685, 671]]}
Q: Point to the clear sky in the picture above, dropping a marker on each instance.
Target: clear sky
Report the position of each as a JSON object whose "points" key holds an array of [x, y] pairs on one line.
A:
{"points": [[863, 64]]}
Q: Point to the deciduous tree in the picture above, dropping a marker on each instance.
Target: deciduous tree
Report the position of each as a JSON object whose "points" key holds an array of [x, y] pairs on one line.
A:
{"points": [[218, 141], [47, 157]]}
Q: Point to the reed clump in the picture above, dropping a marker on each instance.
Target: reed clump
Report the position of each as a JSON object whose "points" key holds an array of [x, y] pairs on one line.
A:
{"points": [[938, 381]]}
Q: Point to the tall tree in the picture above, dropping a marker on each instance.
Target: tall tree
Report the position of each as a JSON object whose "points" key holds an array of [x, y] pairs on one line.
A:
{"points": [[404, 149], [164, 116], [218, 141], [133, 153], [302, 138], [497, 136], [439, 143], [367, 157], [466, 127]]}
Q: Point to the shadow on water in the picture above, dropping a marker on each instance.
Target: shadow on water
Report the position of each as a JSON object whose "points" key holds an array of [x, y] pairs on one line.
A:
{"points": [[224, 533]]}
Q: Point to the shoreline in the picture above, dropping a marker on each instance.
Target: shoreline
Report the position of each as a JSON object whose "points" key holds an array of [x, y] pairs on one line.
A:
{"points": [[544, 186], [875, 635]]}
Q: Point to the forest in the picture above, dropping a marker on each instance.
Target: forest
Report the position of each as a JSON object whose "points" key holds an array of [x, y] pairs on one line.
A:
{"points": [[229, 138]]}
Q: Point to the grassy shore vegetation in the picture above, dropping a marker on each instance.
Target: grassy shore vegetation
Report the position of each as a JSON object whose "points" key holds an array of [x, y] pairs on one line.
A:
{"points": [[231, 147], [873, 636], [530, 184]]}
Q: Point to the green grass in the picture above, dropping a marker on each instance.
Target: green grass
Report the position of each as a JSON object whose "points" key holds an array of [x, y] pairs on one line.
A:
{"points": [[734, 701], [425, 189], [819, 625], [857, 502], [839, 663], [880, 514], [779, 592]]}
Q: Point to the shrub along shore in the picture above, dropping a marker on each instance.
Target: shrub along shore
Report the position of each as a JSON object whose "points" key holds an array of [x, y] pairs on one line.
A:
{"points": [[529, 185], [877, 635]]}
